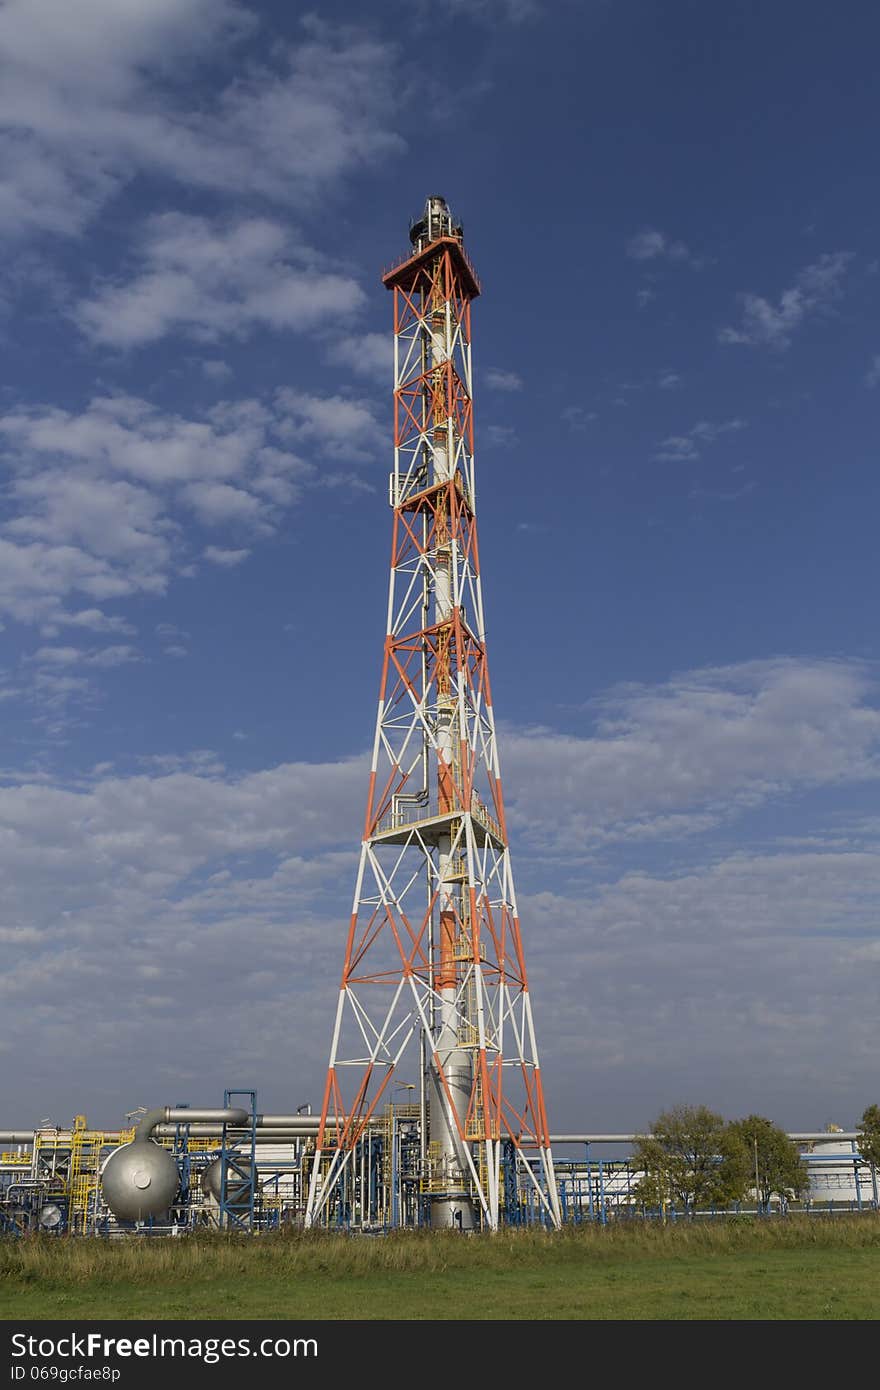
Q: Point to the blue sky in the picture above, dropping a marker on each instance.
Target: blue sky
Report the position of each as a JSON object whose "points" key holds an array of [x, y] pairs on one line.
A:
{"points": [[674, 214]]}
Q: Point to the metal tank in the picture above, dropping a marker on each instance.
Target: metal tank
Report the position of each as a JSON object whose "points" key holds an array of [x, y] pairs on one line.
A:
{"points": [[237, 1187], [139, 1180], [51, 1217], [836, 1174]]}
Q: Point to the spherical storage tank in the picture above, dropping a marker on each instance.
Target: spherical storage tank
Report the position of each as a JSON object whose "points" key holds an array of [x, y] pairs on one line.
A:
{"points": [[139, 1180], [51, 1217], [237, 1188]]}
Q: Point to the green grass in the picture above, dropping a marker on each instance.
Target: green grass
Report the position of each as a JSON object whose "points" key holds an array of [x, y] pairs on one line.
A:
{"points": [[813, 1268]]}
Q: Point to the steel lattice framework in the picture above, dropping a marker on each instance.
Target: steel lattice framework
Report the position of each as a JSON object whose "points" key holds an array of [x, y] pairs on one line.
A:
{"points": [[434, 960]]}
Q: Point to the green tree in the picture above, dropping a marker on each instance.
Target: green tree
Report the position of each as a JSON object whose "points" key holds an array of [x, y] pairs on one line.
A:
{"points": [[691, 1157], [776, 1164], [869, 1135]]}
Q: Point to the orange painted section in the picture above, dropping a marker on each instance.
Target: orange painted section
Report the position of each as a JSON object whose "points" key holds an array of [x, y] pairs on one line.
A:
{"points": [[445, 788], [446, 976], [543, 1131], [370, 818], [446, 249], [348, 949], [324, 1108], [520, 958]]}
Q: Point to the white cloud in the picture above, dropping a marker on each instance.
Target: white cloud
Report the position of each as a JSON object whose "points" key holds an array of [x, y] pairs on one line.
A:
{"points": [[815, 289], [94, 94], [322, 111], [340, 427], [113, 656], [216, 370], [668, 381], [489, 12], [57, 656], [683, 448], [102, 43], [872, 376], [226, 558], [707, 431], [646, 246], [577, 417], [651, 245], [732, 494], [216, 503], [208, 280], [499, 436], [100, 499], [369, 355], [708, 743], [128, 436], [678, 448], [746, 978], [498, 380], [110, 519], [187, 812], [93, 619], [341, 480], [35, 578], [749, 974], [203, 762], [53, 693], [104, 656]]}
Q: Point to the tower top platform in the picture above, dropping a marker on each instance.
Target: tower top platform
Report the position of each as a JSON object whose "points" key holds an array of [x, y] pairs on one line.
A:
{"points": [[436, 228]]}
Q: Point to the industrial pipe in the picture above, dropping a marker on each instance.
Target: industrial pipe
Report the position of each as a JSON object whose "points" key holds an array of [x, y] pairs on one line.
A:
{"points": [[592, 1138], [168, 1114], [824, 1137], [289, 1121], [238, 1136], [631, 1138], [204, 1124], [294, 1125]]}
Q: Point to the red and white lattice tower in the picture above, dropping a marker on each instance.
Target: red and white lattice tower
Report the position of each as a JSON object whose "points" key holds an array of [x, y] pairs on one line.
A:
{"points": [[434, 978]]}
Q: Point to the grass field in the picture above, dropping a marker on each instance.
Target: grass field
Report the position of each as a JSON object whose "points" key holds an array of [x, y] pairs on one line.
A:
{"points": [[794, 1268]]}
